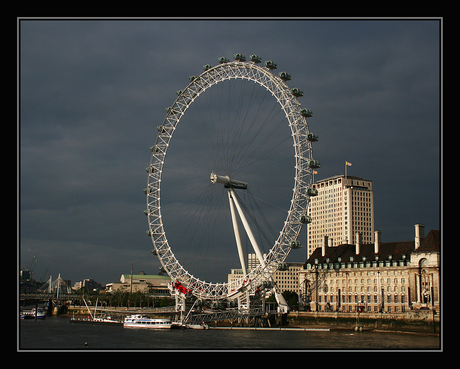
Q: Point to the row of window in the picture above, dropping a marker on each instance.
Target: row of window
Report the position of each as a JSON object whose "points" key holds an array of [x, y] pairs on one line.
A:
{"points": [[363, 289], [382, 280], [376, 298], [361, 264], [369, 309]]}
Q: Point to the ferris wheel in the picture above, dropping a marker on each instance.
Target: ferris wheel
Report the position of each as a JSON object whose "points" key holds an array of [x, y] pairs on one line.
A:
{"points": [[239, 121]]}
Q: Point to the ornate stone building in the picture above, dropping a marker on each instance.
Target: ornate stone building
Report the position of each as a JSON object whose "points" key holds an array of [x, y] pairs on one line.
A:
{"points": [[373, 277]]}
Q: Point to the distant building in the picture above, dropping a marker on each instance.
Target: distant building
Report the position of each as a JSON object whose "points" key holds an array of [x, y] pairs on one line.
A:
{"points": [[286, 279], [373, 277], [89, 283], [234, 275], [146, 283], [340, 207]]}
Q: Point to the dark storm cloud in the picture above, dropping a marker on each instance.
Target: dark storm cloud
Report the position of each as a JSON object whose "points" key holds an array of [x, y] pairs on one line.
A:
{"points": [[93, 93]]}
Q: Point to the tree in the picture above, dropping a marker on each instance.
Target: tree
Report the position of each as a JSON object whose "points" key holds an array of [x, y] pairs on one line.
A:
{"points": [[291, 298]]}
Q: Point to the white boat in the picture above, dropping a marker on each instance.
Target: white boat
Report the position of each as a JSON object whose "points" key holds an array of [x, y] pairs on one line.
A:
{"points": [[33, 314], [139, 321], [108, 320]]}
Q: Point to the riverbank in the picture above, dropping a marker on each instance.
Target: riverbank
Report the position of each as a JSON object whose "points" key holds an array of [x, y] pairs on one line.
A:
{"points": [[413, 321]]}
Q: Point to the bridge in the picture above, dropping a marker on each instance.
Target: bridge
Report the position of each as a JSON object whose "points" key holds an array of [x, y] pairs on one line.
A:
{"points": [[47, 296]]}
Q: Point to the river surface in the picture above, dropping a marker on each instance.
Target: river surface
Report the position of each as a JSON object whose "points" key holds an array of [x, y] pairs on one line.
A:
{"points": [[57, 333]]}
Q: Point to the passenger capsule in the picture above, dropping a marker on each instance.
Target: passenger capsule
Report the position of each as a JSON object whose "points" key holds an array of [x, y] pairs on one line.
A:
{"points": [[314, 164], [285, 76], [178, 92], [311, 191], [192, 78], [255, 58], [282, 266], [297, 92], [223, 60], [312, 137], [207, 66], [295, 244], [305, 219], [307, 113], [239, 57], [270, 64]]}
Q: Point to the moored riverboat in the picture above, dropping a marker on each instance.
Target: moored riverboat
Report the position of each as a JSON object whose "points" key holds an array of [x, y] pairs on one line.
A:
{"points": [[139, 321], [106, 320], [33, 314]]}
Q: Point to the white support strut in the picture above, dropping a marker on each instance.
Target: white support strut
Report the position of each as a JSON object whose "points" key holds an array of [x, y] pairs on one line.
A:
{"points": [[247, 228], [236, 229]]}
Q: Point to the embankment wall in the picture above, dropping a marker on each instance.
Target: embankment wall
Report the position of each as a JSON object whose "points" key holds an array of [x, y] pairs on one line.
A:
{"points": [[426, 321]]}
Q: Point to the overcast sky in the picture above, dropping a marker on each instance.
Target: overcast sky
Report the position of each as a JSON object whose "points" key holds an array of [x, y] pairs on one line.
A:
{"points": [[93, 92]]}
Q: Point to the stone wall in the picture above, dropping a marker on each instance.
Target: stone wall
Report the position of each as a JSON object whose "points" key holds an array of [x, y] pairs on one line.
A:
{"points": [[410, 321]]}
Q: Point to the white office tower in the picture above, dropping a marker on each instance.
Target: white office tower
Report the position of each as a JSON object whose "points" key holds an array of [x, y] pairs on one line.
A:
{"points": [[342, 207]]}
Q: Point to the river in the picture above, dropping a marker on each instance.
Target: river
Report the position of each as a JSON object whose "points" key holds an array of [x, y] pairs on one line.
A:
{"points": [[57, 333]]}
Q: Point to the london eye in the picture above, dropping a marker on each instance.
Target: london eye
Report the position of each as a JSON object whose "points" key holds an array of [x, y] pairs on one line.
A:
{"points": [[230, 174]]}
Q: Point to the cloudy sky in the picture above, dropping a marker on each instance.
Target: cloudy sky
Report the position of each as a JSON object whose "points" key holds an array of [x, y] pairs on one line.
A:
{"points": [[93, 92]]}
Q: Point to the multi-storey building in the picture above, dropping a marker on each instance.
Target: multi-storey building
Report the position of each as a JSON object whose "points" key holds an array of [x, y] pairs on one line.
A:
{"points": [[286, 279], [373, 277], [342, 206]]}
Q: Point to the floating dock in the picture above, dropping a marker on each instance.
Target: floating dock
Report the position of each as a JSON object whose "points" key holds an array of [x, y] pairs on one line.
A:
{"points": [[275, 329]]}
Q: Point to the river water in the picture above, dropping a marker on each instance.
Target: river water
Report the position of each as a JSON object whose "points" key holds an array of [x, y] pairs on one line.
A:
{"points": [[57, 333]]}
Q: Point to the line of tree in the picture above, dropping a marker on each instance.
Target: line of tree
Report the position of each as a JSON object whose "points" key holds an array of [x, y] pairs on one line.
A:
{"points": [[123, 299]]}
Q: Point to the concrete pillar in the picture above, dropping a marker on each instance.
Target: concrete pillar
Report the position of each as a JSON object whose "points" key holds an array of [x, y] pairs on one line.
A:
{"points": [[358, 242], [377, 241], [324, 245], [419, 235]]}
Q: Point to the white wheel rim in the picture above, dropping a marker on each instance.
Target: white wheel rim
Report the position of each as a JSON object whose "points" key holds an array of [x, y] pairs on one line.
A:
{"points": [[303, 177]]}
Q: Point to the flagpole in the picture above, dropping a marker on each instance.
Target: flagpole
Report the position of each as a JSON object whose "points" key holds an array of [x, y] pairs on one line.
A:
{"points": [[346, 181]]}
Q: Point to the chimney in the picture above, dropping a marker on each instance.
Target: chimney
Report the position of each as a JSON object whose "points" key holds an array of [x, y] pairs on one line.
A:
{"points": [[419, 235], [377, 241], [330, 242], [323, 247], [358, 242]]}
